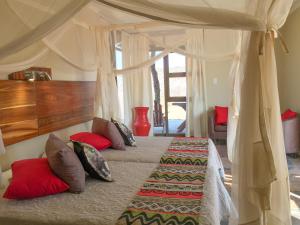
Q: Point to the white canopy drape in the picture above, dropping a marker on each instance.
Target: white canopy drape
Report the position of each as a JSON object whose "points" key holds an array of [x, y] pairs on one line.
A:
{"points": [[106, 88], [137, 91], [196, 91], [260, 175], [42, 29]]}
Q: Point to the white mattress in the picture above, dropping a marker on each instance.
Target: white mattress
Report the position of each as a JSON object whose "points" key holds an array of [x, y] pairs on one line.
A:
{"points": [[148, 150], [102, 202]]}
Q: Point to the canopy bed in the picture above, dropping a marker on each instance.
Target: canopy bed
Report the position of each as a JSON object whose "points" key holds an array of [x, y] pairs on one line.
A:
{"points": [[102, 203], [242, 32]]}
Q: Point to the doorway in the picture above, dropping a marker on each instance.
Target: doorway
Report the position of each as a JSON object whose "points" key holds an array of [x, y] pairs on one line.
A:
{"points": [[169, 84]]}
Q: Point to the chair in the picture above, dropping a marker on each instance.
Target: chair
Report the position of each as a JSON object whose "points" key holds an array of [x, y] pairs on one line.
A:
{"points": [[291, 133], [216, 132]]}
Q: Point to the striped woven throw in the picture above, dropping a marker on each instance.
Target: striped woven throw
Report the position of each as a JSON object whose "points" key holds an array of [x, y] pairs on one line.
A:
{"points": [[173, 194]]}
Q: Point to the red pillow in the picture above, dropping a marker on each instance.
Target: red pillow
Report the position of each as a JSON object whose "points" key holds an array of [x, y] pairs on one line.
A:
{"points": [[221, 115], [97, 141], [288, 114], [33, 178]]}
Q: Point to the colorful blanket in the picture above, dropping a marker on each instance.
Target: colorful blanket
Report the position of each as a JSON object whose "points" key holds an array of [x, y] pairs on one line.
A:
{"points": [[173, 194]]}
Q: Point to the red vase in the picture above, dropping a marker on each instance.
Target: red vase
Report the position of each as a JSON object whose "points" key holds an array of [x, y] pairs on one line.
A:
{"points": [[141, 125]]}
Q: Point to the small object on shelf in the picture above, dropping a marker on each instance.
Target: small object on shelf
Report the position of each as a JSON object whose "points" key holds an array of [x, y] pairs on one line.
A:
{"points": [[141, 125], [32, 74]]}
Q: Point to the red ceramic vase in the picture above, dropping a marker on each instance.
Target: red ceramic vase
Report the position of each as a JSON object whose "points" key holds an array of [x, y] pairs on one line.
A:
{"points": [[141, 125]]}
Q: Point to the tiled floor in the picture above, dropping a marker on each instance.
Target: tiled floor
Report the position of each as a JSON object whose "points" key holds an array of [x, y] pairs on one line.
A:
{"points": [[294, 171]]}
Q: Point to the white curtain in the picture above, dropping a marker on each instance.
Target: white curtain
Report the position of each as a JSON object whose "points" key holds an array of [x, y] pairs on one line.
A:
{"points": [[196, 81], [259, 156], [137, 84], [27, 37], [260, 175], [175, 47], [107, 103], [197, 15], [236, 72], [73, 43]]}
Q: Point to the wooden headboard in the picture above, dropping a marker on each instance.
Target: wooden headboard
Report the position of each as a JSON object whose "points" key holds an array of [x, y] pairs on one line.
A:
{"points": [[29, 109]]}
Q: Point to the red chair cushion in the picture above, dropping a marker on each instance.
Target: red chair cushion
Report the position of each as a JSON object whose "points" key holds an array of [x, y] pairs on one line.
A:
{"points": [[221, 115], [33, 178], [288, 114], [97, 141]]}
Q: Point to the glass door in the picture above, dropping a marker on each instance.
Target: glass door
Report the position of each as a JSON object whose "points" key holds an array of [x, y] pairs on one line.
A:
{"points": [[169, 84], [175, 94]]}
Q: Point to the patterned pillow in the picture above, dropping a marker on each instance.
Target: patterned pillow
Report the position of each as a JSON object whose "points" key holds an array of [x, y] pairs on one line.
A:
{"points": [[125, 133], [92, 161]]}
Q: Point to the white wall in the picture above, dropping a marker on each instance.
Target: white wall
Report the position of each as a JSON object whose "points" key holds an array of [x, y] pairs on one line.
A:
{"points": [[218, 83], [289, 64], [34, 147], [216, 43]]}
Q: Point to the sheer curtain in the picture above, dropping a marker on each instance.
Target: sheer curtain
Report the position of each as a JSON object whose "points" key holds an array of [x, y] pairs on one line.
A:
{"points": [[72, 41], [236, 72], [260, 175], [107, 103], [137, 84], [25, 37], [197, 15], [196, 91]]}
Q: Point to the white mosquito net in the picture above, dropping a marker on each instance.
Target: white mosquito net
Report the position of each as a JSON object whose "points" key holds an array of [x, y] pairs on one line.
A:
{"points": [[242, 33]]}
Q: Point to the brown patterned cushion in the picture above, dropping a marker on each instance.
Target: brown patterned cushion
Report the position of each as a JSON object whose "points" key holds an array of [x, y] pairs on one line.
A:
{"points": [[92, 161], [65, 163], [125, 132], [110, 131]]}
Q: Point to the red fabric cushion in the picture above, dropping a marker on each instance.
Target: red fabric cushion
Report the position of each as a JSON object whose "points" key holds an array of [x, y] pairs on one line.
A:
{"points": [[288, 114], [97, 141], [221, 115], [33, 178]]}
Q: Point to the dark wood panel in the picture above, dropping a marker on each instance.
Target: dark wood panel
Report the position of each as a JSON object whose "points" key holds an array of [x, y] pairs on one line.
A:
{"points": [[29, 109], [18, 119], [59, 97], [16, 93], [17, 114], [60, 121], [19, 131], [62, 104]]}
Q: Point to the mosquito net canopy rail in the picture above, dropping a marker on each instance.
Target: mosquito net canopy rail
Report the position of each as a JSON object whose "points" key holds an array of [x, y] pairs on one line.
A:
{"points": [[86, 33]]}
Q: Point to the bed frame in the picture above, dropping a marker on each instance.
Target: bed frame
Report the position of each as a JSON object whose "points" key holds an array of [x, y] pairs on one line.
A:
{"points": [[29, 109]]}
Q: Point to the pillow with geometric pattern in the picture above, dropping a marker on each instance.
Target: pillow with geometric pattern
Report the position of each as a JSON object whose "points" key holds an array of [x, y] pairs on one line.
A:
{"points": [[125, 132], [92, 161]]}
